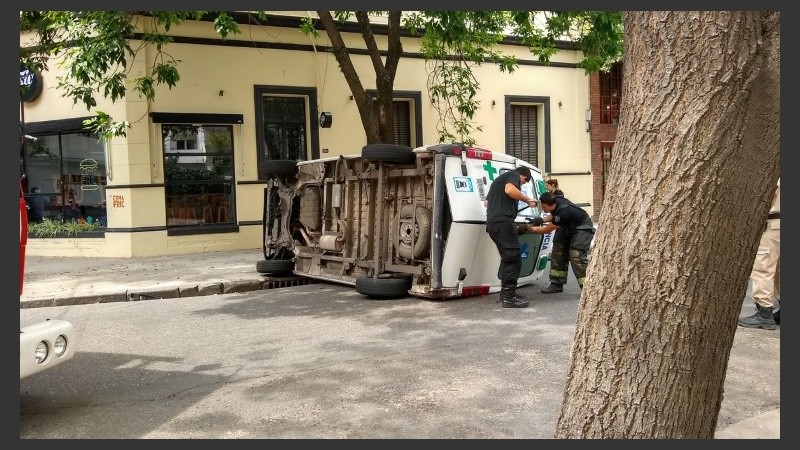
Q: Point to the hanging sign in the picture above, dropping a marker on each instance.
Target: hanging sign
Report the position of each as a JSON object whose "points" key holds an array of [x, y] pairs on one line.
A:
{"points": [[30, 84]]}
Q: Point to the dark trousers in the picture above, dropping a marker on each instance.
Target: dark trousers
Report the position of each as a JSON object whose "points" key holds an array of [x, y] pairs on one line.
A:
{"points": [[504, 235], [570, 246]]}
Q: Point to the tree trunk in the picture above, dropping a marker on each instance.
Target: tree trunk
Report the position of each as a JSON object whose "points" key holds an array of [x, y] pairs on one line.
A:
{"points": [[363, 102], [383, 130], [695, 162]]}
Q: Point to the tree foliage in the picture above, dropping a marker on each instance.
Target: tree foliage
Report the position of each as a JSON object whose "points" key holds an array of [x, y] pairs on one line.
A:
{"points": [[94, 48], [455, 42]]}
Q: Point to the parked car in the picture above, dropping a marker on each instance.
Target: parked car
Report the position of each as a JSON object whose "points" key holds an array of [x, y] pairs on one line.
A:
{"points": [[45, 344], [394, 221]]}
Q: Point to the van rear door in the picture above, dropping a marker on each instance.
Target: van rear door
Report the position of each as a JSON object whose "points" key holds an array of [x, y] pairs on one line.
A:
{"points": [[469, 249]]}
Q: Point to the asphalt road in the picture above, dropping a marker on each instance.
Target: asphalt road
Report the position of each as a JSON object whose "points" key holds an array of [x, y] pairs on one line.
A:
{"points": [[321, 361]]}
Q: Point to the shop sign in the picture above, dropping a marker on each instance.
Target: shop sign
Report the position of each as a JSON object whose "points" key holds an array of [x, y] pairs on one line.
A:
{"points": [[30, 84]]}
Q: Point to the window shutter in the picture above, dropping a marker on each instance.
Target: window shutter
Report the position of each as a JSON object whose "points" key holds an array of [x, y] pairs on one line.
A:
{"points": [[523, 142], [402, 121]]}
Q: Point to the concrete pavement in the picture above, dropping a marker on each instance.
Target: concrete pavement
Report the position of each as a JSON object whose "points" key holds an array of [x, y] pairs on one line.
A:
{"points": [[61, 281]]}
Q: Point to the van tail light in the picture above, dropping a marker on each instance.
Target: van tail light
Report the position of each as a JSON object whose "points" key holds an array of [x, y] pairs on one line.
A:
{"points": [[479, 153], [472, 291]]}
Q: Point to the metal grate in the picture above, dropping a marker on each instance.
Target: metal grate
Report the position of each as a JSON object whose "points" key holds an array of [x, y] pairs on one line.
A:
{"points": [[280, 282]]}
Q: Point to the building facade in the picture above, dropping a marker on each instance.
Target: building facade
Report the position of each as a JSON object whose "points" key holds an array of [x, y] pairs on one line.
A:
{"points": [[186, 177]]}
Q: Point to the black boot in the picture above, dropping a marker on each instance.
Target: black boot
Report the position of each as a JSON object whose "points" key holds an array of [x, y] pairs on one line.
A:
{"points": [[761, 319], [553, 288], [520, 296], [516, 302], [776, 316], [510, 299]]}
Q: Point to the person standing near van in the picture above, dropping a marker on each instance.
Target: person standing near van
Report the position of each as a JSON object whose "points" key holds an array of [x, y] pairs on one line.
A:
{"points": [[36, 203], [552, 186], [766, 273], [501, 211], [571, 241]]}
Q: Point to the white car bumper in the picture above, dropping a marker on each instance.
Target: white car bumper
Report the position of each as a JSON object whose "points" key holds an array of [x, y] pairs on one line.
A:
{"points": [[46, 332]]}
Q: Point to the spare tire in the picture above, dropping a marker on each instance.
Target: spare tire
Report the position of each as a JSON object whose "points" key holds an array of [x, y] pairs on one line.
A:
{"points": [[390, 153], [412, 225]]}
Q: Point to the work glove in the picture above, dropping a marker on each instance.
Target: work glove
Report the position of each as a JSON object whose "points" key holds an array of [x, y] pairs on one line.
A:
{"points": [[536, 221], [523, 229]]}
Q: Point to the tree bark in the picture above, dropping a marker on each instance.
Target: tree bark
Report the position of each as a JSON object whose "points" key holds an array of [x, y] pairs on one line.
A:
{"points": [[696, 159]]}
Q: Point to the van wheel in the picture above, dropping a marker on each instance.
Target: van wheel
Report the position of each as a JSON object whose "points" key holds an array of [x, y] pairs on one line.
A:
{"points": [[390, 153], [278, 167], [419, 230], [276, 266], [383, 287]]}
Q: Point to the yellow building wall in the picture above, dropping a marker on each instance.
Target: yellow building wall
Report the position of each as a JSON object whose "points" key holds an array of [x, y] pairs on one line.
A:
{"points": [[221, 79]]}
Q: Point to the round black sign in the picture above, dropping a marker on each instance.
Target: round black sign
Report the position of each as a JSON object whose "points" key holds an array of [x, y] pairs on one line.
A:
{"points": [[30, 84]]}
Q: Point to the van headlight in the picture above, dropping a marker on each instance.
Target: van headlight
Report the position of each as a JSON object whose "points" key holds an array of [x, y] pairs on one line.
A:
{"points": [[40, 354], [60, 345]]}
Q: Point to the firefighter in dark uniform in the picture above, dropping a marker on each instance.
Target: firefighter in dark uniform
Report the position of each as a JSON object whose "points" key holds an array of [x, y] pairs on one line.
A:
{"points": [[501, 211], [571, 242]]}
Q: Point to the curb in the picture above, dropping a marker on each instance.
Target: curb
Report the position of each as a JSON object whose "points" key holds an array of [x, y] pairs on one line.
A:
{"points": [[181, 291]]}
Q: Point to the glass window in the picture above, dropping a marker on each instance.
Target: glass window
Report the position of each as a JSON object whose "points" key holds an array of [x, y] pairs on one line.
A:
{"points": [[610, 94], [198, 174], [285, 128], [66, 178]]}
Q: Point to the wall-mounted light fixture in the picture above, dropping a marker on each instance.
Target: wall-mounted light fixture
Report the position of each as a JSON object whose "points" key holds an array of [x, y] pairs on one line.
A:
{"points": [[325, 119], [351, 98], [588, 116], [221, 92], [559, 103], [493, 103]]}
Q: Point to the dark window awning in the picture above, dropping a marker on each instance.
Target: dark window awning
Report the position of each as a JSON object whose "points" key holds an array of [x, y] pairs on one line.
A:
{"points": [[162, 117], [56, 126]]}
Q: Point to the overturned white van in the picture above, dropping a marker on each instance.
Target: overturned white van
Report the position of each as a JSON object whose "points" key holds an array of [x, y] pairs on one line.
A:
{"points": [[394, 221]]}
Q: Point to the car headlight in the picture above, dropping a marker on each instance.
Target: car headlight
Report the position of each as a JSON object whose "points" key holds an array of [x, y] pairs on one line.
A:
{"points": [[60, 345], [40, 354]]}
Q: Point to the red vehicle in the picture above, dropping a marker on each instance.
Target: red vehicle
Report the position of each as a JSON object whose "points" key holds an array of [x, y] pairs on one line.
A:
{"points": [[23, 235], [44, 344]]}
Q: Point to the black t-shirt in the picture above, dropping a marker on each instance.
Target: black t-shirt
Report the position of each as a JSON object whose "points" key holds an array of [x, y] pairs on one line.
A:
{"points": [[501, 207], [567, 215]]}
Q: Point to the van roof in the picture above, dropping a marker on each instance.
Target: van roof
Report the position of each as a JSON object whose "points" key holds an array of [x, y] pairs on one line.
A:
{"points": [[496, 156]]}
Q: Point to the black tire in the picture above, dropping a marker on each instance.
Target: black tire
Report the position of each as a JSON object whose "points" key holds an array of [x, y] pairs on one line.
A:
{"points": [[421, 229], [275, 266], [390, 153], [383, 288], [278, 167]]}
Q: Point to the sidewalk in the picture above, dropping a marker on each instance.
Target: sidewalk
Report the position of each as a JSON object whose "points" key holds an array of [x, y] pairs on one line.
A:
{"points": [[60, 281], [54, 281]]}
